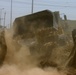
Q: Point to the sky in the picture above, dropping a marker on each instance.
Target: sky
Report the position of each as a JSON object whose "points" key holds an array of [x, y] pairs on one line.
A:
{"points": [[23, 7]]}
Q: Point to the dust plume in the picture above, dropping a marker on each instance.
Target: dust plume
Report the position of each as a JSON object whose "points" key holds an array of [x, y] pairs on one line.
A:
{"points": [[19, 60], [13, 70], [18, 53]]}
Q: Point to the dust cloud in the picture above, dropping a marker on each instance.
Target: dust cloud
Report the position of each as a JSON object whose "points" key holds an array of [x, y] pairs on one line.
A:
{"points": [[13, 70], [19, 60]]}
